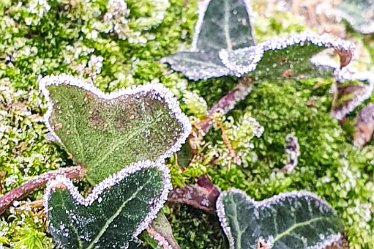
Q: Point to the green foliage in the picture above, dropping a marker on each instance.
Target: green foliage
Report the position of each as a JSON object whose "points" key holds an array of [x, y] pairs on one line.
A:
{"points": [[188, 223], [291, 220], [214, 54], [301, 109], [224, 25], [105, 133], [116, 211]]}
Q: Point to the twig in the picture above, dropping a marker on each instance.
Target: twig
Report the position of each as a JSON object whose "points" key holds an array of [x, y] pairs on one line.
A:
{"points": [[227, 103], [76, 172]]}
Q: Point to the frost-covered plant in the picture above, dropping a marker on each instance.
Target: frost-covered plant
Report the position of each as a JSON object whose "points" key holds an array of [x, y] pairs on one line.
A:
{"points": [[224, 46], [289, 220], [119, 140], [118, 209], [105, 133]]}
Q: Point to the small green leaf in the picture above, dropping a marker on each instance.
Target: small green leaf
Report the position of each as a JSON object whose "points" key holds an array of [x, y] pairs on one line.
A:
{"points": [[106, 132], [223, 24], [116, 211], [198, 65], [359, 13], [287, 221]]}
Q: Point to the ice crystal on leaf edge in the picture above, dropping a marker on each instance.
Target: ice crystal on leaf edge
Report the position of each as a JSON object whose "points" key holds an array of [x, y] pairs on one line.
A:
{"points": [[111, 181]]}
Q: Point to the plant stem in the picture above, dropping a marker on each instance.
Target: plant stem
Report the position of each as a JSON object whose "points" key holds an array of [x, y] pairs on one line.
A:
{"points": [[76, 172], [202, 195], [227, 102]]}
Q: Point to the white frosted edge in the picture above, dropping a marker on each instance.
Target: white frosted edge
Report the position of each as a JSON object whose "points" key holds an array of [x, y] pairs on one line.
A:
{"points": [[156, 88], [161, 241], [347, 75], [324, 40], [327, 241], [266, 203], [112, 180], [365, 28], [223, 221], [203, 6], [238, 69]]}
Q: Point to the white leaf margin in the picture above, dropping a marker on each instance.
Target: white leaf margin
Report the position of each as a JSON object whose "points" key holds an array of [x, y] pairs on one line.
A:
{"points": [[203, 6], [155, 88], [111, 181], [350, 75], [326, 41], [324, 206]]}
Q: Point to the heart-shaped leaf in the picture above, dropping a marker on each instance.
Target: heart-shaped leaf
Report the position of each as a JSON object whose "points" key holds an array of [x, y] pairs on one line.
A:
{"points": [[106, 132], [351, 90], [223, 24], [116, 211], [287, 221], [359, 13], [364, 128]]}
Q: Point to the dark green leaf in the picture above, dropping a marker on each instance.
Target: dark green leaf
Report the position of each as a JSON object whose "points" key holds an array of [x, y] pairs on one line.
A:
{"points": [[287, 221], [223, 24], [198, 65], [116, 211]]}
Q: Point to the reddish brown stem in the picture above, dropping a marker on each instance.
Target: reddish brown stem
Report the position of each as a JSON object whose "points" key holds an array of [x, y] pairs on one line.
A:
{"points": [[227, 102], [202, 195], [76, 172]]}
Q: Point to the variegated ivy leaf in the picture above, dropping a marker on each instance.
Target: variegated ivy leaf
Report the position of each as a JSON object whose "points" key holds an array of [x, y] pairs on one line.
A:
{"points": [[198, 65], [359, 13], [106, 132], [116, 211], [350, 91], [364, 128], [286, 57], [223, 24], [287, 221]]}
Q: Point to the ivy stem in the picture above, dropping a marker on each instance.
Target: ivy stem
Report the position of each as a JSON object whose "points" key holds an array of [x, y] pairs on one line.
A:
{"points": [[75, 172], [227, 103]]}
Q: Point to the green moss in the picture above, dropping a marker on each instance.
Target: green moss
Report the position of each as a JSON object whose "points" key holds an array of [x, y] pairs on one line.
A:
{"points": [[194, 229], [69, 37]]}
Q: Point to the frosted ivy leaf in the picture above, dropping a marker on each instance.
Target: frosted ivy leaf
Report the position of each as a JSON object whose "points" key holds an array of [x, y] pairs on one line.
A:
{"points": [[106, 132], [291, 56], [198, 65], [286, 221], [350, 91], [116, 211], [223, 24], [359, 13]]}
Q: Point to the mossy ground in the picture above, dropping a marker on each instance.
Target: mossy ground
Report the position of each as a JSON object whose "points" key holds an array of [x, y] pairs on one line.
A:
{"points": [[64, 36]]}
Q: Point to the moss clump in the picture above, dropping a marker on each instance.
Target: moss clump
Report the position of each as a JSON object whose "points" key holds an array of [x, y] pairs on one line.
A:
{"points": [[194, 229]]}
